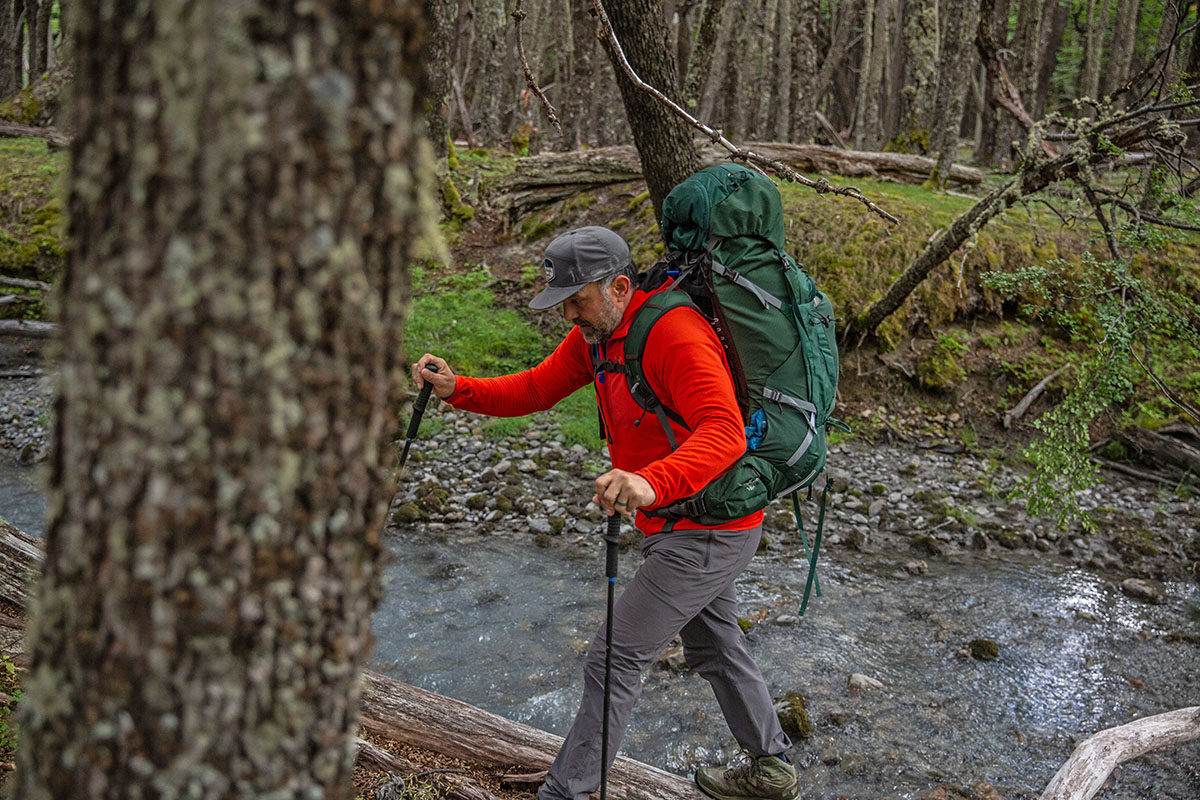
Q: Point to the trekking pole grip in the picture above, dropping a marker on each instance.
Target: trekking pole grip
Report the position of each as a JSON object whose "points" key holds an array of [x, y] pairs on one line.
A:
{"points": [[612, 540], [419, 406]]}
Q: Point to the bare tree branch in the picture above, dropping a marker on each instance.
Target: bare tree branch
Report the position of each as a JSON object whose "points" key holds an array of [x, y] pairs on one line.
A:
{"points": [[518, 16], [750, 158]]}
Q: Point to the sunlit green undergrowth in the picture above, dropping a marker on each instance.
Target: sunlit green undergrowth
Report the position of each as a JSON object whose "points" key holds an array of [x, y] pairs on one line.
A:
{"points": [[456, 316]]}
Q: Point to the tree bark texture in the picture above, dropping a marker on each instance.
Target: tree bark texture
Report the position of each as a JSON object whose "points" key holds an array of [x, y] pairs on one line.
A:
{"points": [[864, 90], [663, 141], [698, 68], [805, 64], [989, 151], [919, 93], [439, 17], [247, 186], [1053, 27], [957, 66]]}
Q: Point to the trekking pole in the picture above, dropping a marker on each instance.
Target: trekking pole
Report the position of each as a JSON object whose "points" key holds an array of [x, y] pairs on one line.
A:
{"points": [[612, 539], [418, 412]]}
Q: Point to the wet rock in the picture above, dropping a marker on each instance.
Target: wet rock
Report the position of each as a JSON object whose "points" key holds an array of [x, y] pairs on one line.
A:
{"points": [[477, 502], [527, 465], [983, 649], [978, 540], [793, 716], [405, 514], [916, 567], [877, 507], [1139, 589], [858, 537], [924, 543], [540, 525], [787, 619], [879, 489], [673, 659], [945, 791], [858, 682]]}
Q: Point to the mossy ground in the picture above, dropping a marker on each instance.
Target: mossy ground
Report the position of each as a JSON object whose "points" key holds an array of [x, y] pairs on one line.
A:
{"points": [[955, 347], [31, 219]]}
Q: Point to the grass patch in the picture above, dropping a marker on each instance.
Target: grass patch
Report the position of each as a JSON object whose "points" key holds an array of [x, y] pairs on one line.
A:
{"points": [[456, 316]]}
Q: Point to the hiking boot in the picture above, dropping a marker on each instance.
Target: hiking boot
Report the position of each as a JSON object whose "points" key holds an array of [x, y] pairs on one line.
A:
{"points": [[764, 778]]}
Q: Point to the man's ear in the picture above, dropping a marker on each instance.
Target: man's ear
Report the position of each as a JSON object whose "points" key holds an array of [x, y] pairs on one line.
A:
{"points": [[622, 287]]}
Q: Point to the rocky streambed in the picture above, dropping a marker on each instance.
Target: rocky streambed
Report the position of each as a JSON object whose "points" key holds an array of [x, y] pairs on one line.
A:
{"points": [[904, 502]]}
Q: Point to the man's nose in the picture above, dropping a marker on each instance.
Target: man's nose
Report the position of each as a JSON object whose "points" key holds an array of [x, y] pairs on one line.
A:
{"points": [[569, 313]]}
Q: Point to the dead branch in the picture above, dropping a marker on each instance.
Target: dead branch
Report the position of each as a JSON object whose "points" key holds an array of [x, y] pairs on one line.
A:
{"points": [[20, 327], [748, 157], [1004, 92], [24, 284], [1094, 760], [519, 15], [54, 138], [1020, 408]]}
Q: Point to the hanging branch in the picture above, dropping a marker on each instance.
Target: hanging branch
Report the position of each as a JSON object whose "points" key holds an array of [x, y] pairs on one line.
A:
{"points": [[519, 15], [748, 157]]}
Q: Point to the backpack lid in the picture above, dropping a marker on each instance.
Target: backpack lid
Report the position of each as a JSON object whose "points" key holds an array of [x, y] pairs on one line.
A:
{"points": [[724, 200]]}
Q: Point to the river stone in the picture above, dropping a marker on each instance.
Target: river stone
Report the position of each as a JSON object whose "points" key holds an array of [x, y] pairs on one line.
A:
{"points": [[924, 543], [979, 541], [857, 682], [673, 659], [1139, 589], [876, 508], [539, 525], [916, 567], [984, 649], [787, 619], [503, 466], [527, 466]]}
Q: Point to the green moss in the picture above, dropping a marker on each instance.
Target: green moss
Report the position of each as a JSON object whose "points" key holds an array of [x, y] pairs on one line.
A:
{"points": [[984, 649], [939, 368], [451, 153], [533, 229], [521, 139], [22, 108], [913, 141], [409, 512], [745, 624], [503, 504], [793, 716]]}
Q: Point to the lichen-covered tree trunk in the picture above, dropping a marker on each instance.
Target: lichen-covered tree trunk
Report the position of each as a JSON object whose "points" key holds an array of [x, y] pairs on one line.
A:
{"points": [[871, 87], [491, 37], [917, 98], [440, 22], [663, 141], [864, 91], [246, 188], [957, 65], [805, 63], [989, 150], [699, 67]]}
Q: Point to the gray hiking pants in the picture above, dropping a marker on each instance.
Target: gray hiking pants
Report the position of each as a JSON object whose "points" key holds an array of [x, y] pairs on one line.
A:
{"points": [[685, 586]]}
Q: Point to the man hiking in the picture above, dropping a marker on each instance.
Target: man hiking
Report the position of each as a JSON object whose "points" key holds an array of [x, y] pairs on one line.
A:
{"points": [[685, 585]]}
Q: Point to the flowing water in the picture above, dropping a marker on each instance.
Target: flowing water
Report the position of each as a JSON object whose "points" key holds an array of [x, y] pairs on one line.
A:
{"points": [[21, 499], [502, 624]]}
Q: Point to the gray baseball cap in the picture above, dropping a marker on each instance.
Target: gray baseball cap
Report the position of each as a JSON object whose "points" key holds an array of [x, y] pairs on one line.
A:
{"points": [[577, 258]]}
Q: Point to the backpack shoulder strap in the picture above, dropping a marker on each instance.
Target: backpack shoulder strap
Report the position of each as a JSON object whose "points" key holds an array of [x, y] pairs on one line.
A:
{"points": [[635, 344]]}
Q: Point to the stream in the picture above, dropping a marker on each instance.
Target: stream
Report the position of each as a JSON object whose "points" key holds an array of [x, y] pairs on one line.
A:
{"points": [[499, 623]]}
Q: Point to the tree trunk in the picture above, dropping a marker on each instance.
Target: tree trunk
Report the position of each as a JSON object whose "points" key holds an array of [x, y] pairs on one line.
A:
{"points": [[219, 476], [1120, 58], [804, 70], [957, 63], [439, 16], [491, 35], [866, 93], [42, 34], [698, 68], [577, 123], [989, 150], [1055, 25], [1093, 49], [663, 141], [9, 81], [779, 118], [874, 88], [917, 98]]}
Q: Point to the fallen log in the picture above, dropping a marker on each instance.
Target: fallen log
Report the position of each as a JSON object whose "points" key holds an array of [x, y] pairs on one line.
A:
{"points": [[53, 137], [420, 718], [21, 557], [20, 327], [1019, 410], [1094, 760], [545, 178], [458, 787], [1162, 451]]}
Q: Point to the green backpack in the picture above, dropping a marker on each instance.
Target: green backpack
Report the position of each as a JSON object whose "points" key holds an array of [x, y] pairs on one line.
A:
{"points": [[724, 232]]}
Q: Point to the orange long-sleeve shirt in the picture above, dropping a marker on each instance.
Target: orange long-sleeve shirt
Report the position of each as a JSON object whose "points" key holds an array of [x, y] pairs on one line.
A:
{"points": [[684, 365]]}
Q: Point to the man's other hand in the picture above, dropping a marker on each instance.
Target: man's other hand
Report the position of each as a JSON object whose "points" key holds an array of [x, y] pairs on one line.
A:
{"points": [[621, 492], [443, 380]]}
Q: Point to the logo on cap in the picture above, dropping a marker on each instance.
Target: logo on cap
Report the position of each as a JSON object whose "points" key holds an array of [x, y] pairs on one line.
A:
{"points": [[548, 265]]}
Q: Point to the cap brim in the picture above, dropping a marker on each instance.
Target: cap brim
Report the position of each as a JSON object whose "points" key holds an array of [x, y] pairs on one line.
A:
{"points": [[553, 295]]}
